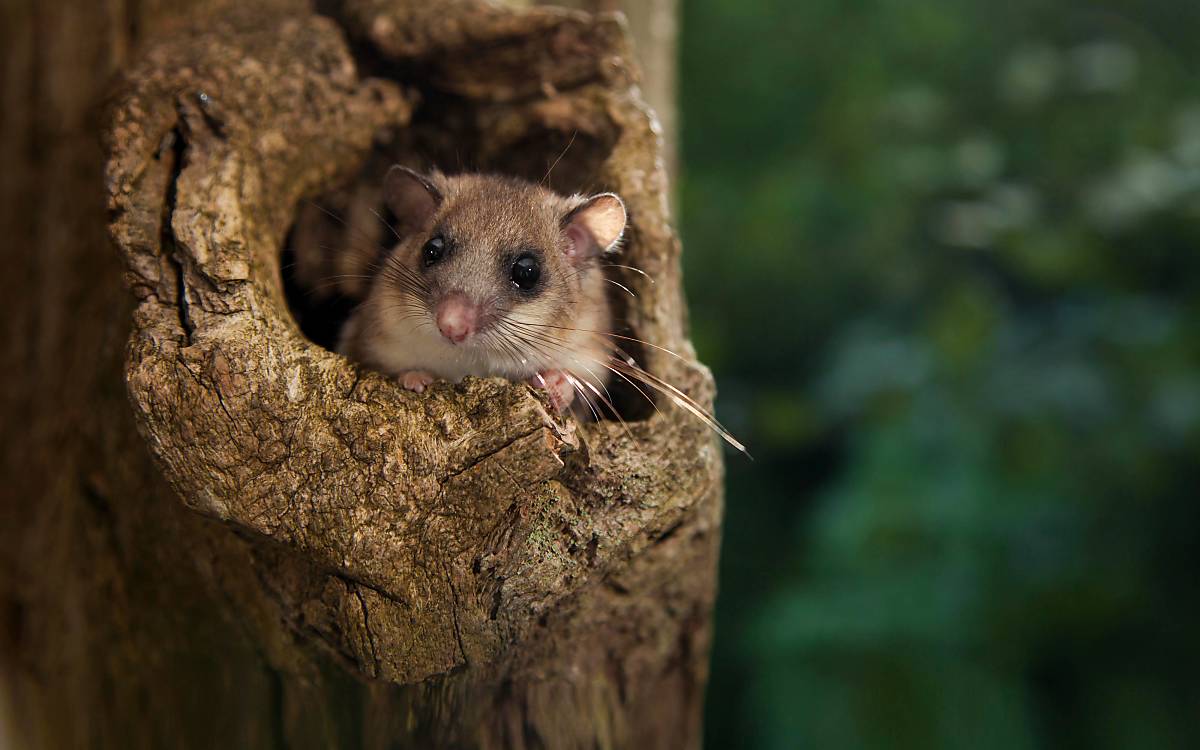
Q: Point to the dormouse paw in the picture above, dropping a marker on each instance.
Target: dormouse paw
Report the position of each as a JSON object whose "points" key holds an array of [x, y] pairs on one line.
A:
{"points": [[558, 384], [416, 380]]}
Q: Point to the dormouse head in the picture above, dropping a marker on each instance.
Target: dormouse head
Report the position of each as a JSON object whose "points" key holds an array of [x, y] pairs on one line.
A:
{"points": [[480, 256]]}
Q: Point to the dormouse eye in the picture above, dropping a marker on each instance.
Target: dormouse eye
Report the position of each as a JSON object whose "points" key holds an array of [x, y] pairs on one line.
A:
{"points": [[433, 251], [526, 271]]}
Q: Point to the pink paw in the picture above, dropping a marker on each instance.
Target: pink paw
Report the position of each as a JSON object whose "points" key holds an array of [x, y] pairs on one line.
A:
{"points": [[558, 385], [416, 380]]}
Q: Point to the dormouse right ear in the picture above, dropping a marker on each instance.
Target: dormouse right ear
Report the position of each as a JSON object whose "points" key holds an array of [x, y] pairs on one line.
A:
{"points": [[594, 227], [411, 198]]}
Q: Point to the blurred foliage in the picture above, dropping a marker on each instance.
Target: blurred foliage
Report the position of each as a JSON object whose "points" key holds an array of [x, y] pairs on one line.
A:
{"points": [[943, 257]]}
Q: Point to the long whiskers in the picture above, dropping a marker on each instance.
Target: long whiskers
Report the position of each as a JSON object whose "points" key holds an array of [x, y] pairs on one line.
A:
{"points": [[391, 228], [623, 287], [647, 276], [629, 370], [570, 143], [547, 350]]}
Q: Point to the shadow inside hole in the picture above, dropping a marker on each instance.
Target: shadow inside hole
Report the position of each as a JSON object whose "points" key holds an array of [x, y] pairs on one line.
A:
{"points": [[340, 237], [331, 251], [631, 399], [320, 317], [564, 162]]}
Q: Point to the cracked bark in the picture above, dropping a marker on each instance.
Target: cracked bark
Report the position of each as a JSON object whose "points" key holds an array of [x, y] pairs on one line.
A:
{"points": [[367, 566]]}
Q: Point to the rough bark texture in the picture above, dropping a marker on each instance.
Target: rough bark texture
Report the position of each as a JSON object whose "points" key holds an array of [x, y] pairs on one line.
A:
{"points": [[306, 555], [654, 26]]}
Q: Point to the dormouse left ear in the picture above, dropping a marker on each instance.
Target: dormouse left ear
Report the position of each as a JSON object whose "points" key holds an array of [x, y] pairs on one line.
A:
{"points": [[594, 227], [411, 198]]}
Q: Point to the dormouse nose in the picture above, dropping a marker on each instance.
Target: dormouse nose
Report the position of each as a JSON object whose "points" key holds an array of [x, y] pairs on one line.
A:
{"points": [[456, 317]]}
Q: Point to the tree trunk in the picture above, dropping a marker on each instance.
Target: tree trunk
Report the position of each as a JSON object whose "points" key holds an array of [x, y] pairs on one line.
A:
{"points": [[655, 30], [274, 547]]}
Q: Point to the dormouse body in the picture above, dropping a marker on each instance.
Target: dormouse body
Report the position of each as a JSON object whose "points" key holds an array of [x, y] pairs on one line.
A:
{"points": [[490, 276]]}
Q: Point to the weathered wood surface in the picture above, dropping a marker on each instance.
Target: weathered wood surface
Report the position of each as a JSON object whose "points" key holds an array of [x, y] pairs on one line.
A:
{"points": [[369, 567]]}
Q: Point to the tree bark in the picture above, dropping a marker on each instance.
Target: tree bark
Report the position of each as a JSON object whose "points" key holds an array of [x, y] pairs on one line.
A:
{"points": [[274, 547], [654, 26]]}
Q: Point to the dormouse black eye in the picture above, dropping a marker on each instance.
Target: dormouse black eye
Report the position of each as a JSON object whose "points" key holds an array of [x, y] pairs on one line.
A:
{"points": [[526, 271], [433, 251]]}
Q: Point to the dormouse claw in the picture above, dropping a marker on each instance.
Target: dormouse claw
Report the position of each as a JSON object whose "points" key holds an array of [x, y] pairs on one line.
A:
{"points": [[416, 380], [558, 384]]}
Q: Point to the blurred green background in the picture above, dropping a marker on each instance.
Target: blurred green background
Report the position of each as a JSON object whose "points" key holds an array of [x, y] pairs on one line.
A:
{"points": [[942, 257]]}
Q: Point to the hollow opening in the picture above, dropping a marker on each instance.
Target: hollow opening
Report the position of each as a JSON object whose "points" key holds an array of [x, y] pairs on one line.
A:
{"points": [[340, 235]]}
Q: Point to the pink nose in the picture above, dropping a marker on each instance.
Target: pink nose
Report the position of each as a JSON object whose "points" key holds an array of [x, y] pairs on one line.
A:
{"points": [[456, 317]]}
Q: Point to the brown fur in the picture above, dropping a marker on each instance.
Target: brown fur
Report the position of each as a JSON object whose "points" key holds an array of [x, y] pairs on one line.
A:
{"points": [[488, 220]]}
